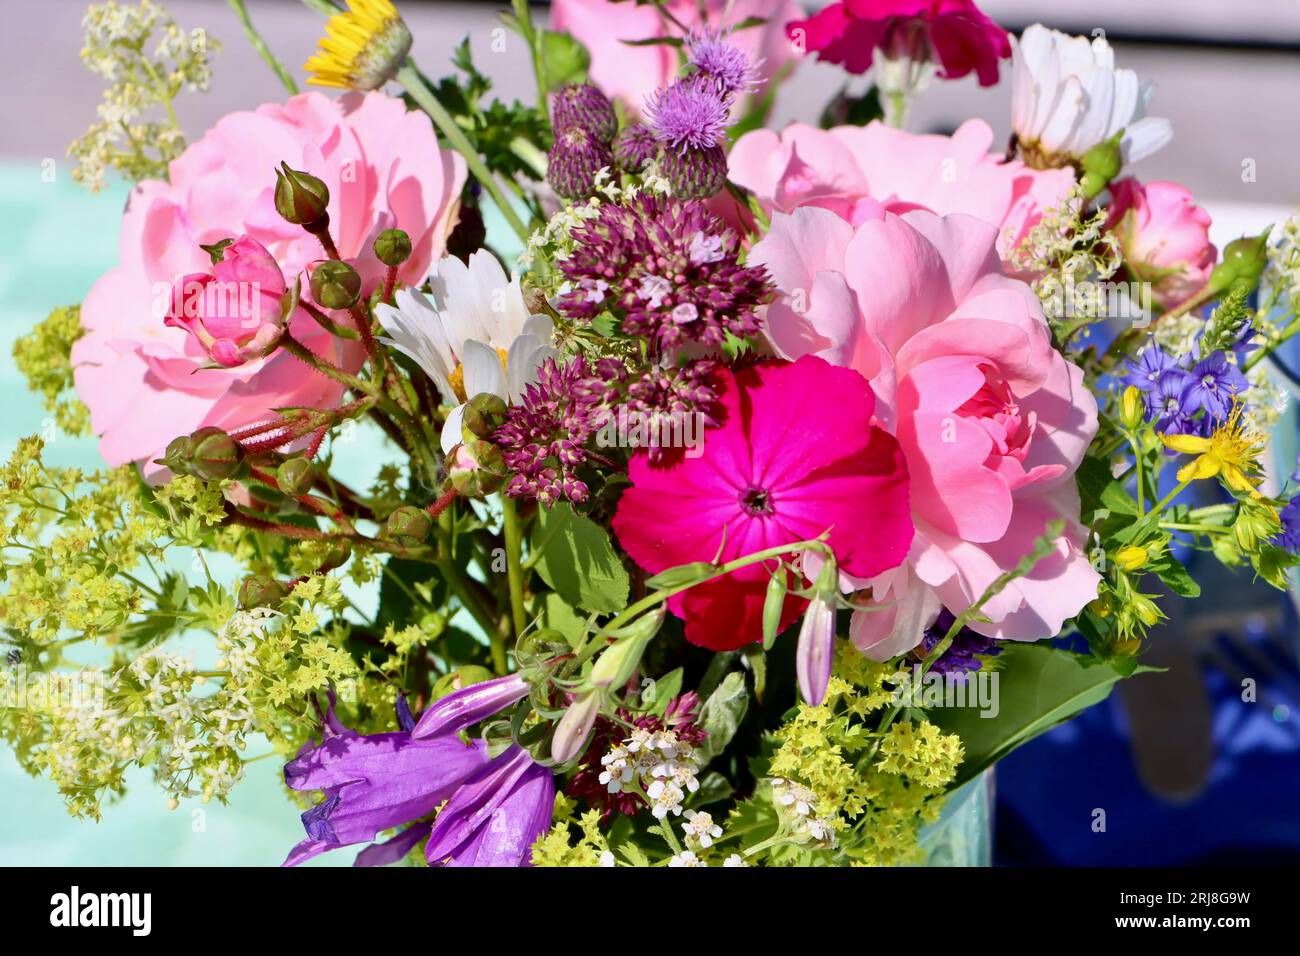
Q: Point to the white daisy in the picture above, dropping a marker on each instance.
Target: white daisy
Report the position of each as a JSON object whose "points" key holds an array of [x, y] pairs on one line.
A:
{"points": [[1067, 96], [472, 334]]}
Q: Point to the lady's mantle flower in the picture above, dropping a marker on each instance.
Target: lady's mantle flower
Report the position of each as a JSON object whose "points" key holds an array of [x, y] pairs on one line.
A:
{"points": [[475, 335], [1067, 96], [668, 268], [1230, 452], [796, 456], [362, 48]]}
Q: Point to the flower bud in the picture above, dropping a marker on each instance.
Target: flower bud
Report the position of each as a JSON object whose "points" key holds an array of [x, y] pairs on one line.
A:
{"points": [[214, 455], [475, 468], [695, 173], [581, 104], [335, 284], [334, 557], [300, 197], [635, 147], [177, 455], [483, 414], [1131, 407], [262, 590], [1101, 164], [408, 525], [575, 159], [573, 729], [1243, 261], [617, 663], [1132, 557], [1256, 524], [393, 247], [295, 476]]}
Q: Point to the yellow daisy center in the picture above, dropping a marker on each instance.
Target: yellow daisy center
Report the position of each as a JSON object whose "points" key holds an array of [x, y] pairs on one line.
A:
{"points": [[457, 377]]}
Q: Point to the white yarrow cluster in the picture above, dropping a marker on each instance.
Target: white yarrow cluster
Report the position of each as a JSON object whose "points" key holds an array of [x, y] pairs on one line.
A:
{"points": [[661, 764], [798, 807]]}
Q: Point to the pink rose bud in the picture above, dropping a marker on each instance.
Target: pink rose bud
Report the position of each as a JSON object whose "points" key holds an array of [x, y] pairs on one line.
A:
{"points": [[233, 312], [1164, 235]]}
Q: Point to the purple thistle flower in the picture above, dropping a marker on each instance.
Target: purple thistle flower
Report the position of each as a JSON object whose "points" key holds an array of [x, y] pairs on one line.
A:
{"points": [[1215, 384], [1289, 536], [575, 159], [964, 653], [1151, 364], [668, 269], [715, 56], [584, 105], [494, 818], [691, 113], [544, 437], [635, 147]]}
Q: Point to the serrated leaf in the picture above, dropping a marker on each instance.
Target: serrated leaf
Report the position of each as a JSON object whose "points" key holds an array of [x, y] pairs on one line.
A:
{"points": [[722, 713], [578, 560], [564, 59]]}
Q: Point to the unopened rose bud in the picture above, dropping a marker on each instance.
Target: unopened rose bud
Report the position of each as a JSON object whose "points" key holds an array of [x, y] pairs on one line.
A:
{"points": [[335, 284], [262, 590], [295, 476], [484, 414], [1131, 407], [214, 455], [475, 468], [335, 557], [177, 455], [1243, 261], [1101, 164], [408, 525], [393, 247], [300, 197]]}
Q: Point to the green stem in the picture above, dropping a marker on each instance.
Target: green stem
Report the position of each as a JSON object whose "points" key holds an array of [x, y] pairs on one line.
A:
{"points": [[1141, 478], [514, 569], [1164, 502], [264, 51], [524, 17], [411, 80]]}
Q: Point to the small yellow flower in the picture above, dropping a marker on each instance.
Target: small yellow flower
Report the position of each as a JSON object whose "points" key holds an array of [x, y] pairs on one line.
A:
{"points": [[362, 49], [1131, 557], [1229, 452], [1130, 407]]}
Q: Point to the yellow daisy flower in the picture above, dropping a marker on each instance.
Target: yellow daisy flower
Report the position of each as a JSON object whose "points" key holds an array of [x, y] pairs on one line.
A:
{"points": [[362, 49], [1229, 452]]}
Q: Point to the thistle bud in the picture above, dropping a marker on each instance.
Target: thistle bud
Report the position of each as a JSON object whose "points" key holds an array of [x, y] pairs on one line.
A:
{"points": [[1131, 410], [335, 284], [214, 455], [300, 197], [581, 104], [262, 590], [393, 247], [408, 526], [1101, 164], [295, 476], [575, 159], [635, 147], [695, 173]]}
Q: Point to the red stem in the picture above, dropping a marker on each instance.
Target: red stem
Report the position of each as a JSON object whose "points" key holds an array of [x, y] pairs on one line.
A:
{"points": [[439, 506]]}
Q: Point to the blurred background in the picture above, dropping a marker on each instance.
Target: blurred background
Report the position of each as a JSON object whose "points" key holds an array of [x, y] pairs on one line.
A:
{"points": [[1185, 770]]}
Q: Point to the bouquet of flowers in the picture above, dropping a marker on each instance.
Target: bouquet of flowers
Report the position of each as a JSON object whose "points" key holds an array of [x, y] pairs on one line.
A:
{"points": [[731, 495]]}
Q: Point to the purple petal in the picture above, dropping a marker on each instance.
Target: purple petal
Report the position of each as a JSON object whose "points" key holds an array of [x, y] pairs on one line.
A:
{"points": [[469, 705], [392, 851]]}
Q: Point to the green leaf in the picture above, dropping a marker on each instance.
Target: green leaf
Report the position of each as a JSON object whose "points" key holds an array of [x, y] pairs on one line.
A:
{"points": [[564, 59], [559, 616], [578, 560], [722, 713], [1039, 686], [1171, 571], [661, 691]]}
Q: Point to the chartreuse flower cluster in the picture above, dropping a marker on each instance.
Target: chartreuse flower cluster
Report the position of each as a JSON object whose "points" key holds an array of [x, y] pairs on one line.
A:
{"points": [[148, 61], [42, 356]]}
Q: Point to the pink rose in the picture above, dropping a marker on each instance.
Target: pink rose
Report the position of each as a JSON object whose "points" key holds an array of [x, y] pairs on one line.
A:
{"points": [[1164, 235], [859, 171], [954, 34], [992, 420], [233, 311], [631, 73], [143, 377]]}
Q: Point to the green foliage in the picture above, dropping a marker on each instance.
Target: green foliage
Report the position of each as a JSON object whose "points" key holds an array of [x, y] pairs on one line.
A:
{"points": [[576, 557]]}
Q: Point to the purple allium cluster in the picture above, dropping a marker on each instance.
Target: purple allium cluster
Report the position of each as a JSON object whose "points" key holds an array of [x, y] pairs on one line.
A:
{"points": [[676, 404], [715, 56], [668, 269], [544, 437], [964, 653], [584, 122], [1176, 395]]}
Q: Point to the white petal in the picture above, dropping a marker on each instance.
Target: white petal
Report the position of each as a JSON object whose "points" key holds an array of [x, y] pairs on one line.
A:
{"points": [[483, 371], [1145, 137], [451, 434]]}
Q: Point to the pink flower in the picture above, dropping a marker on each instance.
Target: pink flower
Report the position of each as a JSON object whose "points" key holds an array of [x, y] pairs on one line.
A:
{"points": [[859, 171], [142, 376], [992, 420], [632, 73], [955, 34], [233, 311], [1164, 235], [797, 455]]}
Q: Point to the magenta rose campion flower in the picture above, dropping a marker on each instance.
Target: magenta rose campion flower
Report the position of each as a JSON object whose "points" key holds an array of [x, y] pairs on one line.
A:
{"points": [[954, 34], [144, 378], [859, 171], [992, 421], [1164, 235], [631, 73]]}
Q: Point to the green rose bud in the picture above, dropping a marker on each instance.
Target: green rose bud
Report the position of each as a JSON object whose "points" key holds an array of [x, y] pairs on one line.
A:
{"points": [[295, 476], [409, 526], [1243, 262], [262, 590], [484, 414], [476, 468], [335, 284], [393, 247], [300, 197], [335, 557], [1101, 164], [214, 455], [177, 456]]}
